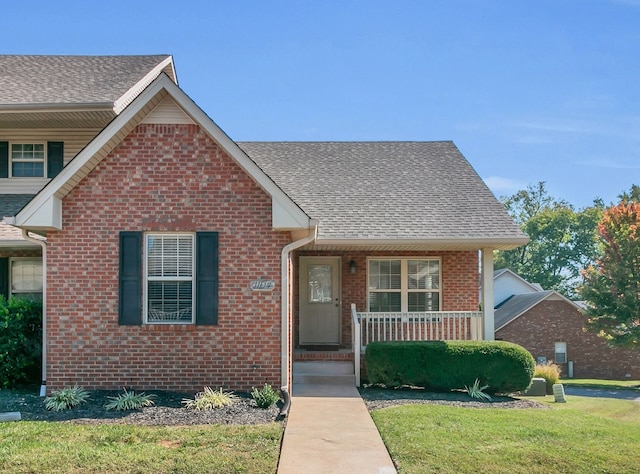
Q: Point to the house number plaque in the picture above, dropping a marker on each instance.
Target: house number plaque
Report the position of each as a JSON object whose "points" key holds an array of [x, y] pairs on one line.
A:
{"points": [[263, 285]]}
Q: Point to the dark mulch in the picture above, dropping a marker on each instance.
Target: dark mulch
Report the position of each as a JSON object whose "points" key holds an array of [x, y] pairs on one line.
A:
{"points": [[376, 397], [169, 411]]}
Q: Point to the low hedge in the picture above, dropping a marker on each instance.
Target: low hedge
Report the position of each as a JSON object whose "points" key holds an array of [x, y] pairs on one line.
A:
{"points": [[450, 365]]}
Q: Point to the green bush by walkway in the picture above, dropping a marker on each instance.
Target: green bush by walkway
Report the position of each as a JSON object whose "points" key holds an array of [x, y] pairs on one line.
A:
{"points": [[450, 365], [20, 341]]}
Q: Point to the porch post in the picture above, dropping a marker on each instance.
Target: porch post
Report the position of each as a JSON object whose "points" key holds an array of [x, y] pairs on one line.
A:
{"points": [[487, 295]]}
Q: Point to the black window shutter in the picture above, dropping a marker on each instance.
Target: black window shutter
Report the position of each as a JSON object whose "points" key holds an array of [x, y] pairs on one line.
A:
{"points": [[4, 277], [55, 158], [130, 304], [4, 159], [207, 278]]}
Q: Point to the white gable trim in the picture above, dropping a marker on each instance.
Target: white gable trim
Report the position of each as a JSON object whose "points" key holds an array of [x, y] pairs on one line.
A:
{"points": [[506, 271], [128, 97], [44, 211]]}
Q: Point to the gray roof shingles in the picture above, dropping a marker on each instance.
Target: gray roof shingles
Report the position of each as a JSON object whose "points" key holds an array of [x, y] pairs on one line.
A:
{"points": [[39, 80], [516, 305], [385, 190], [10, 204]]}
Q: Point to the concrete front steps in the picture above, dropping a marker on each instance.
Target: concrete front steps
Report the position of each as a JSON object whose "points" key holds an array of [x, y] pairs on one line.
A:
{"points": [[315, 372]]}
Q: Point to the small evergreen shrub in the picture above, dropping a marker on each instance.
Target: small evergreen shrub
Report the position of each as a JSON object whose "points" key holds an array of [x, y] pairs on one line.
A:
{"points": [[130, 401], [20, 341], [66, 398], [448, 365], [210, 399], [550, 373], [265, 396]]}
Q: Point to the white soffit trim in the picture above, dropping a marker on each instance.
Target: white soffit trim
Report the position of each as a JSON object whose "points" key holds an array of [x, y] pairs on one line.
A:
{"points": [[39, 212]]}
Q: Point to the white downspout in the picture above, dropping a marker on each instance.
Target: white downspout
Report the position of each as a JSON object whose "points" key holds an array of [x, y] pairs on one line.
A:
{"points": [[43, 244], [284, 304]]}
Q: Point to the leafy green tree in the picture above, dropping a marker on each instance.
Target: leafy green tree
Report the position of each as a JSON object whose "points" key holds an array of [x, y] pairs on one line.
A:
{"points": [[562, 240], [612, 284]]}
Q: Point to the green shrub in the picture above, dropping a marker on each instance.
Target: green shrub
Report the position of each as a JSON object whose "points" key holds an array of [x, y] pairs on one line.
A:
{"points": [[265, 396], [66, 398], [20, 341], [130, 401], [209, 399], [550, 373], [449, 365]]}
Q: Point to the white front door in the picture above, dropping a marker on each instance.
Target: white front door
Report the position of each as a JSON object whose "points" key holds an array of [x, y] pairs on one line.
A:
{"points": [[320, 302]]}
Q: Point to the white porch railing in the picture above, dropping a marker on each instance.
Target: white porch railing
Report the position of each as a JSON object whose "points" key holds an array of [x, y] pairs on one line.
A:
{"points": [[420, 326]]}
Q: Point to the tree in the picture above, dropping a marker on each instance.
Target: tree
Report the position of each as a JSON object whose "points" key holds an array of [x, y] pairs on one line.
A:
{"points": [[612, 285], [562, 241]]}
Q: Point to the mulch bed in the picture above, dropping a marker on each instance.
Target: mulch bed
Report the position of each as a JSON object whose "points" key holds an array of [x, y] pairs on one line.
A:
{"points": [[169, 411]]}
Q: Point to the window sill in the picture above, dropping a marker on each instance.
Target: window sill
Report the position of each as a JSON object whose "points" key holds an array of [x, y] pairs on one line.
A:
{"points": [[188, 327]]}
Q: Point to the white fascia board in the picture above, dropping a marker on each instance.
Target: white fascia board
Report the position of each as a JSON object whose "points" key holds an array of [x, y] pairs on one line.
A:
{"points": [[46, 216], [290, 216], [128, 97], [286, 215], [496, 244]]}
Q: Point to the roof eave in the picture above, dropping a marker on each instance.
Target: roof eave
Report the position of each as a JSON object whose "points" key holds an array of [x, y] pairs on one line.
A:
{"points": [[426, 244]]}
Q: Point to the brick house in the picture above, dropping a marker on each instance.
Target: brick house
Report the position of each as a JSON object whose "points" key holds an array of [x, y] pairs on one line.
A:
{"points": [[177, 258], [551, 327]]}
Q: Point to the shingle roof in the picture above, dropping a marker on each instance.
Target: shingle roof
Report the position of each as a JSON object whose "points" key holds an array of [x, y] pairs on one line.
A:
{"points": [[516, 305], [10, 204], [37, 80], [386, 190]]}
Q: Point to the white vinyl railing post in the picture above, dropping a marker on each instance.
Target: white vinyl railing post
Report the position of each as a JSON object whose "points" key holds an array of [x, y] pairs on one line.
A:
{"points": [[357, 342]]}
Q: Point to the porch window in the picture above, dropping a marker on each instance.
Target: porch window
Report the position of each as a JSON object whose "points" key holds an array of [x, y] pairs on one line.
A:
{"points": [[27, 160], [169, 274], [404, 285], [26, 278]]}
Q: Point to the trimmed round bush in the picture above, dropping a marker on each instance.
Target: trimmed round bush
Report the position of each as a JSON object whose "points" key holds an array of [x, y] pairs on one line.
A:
{"points": [[450, 365]]}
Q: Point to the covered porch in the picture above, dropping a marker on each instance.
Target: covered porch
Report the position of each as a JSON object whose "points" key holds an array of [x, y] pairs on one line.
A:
{"points": [[344, 300]]}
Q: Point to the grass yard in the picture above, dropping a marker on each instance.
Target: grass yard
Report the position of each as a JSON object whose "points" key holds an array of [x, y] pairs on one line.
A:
{"points": [[603, 384], [52, 447], [583, 435]]}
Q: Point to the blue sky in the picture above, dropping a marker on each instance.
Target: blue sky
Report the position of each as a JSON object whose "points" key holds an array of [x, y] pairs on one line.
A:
{"points": [[545, 90]]}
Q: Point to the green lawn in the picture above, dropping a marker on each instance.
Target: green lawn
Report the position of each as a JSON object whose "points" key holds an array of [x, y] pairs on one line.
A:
{"points": [[30, 446], [604, 384], [582, 435]]}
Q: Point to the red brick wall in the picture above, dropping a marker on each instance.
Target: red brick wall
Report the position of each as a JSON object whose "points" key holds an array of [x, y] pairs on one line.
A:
{"points": [[163, 178], [558, 321], [460, 277]]}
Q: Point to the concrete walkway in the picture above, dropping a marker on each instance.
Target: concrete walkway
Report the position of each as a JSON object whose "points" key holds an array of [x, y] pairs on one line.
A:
{"points": [[329, 430]]}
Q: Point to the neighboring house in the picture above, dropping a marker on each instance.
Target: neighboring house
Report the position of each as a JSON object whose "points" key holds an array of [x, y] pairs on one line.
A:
{"points": [[551, 327], [177, 258]]}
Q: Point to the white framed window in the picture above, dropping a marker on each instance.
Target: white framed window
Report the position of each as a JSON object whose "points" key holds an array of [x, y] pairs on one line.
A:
{"points": [[26, 277], [404, 284], [28, 160], [169, 278], [560, 353]]}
